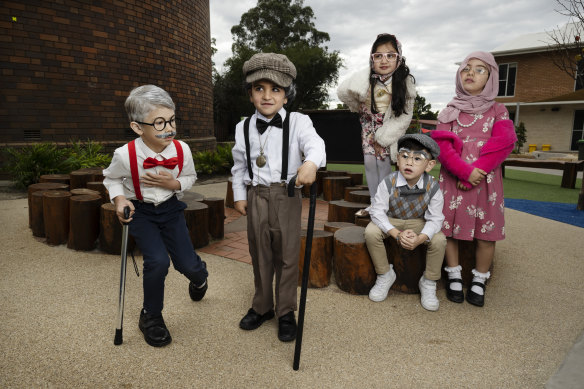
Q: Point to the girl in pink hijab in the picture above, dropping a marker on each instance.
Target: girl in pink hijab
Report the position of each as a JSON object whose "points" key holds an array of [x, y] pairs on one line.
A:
{"points": [[475, 136]]}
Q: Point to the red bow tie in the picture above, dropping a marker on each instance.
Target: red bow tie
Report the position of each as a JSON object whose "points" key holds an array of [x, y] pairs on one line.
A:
{"points": [[167, 163]]}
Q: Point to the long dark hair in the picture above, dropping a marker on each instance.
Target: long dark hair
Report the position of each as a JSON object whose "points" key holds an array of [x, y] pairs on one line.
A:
{"points": [[398, 81]]}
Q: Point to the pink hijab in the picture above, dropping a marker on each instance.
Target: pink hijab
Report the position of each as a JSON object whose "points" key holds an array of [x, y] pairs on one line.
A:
{"points": [[468, 103]]}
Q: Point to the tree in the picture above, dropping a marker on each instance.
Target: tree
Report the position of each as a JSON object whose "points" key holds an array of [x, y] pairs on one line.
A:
{"points": [[421, 111], [521, 136], [566, 42], [280, 26]]}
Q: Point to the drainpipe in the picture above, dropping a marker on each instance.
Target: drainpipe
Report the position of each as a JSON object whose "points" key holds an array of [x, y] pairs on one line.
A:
{"points": [[517, 113]]}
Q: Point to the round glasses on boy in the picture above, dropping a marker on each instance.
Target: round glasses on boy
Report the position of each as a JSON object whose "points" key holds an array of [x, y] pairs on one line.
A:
{"points": [[389, 57], [159, 124], [418, 156]]}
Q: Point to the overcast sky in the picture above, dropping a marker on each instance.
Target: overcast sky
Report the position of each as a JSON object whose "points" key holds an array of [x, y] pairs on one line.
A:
{"points": [[434, 34]]}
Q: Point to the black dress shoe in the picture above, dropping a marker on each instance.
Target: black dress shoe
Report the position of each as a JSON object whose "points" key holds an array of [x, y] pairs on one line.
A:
{"points": [[475, 298], [197, 294], [253, 320], [456, 296], [155, 332], [287, 327]]}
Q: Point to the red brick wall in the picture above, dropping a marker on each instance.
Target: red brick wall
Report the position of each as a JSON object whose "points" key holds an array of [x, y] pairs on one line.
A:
{"points": [[67, 67], [537, 78]]}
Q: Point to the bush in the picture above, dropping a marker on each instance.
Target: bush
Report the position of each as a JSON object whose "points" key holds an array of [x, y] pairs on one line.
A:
{"points": [[86, 155], [219, 161], [521, 136], [26, 165]]}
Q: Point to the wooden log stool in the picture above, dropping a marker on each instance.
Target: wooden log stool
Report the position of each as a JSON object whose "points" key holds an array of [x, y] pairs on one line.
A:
{"points": [[335, 226], [84, 221], [56, 216], [359, 196], [333, 188], [36, 208], [409, 265], [343, 211], [80, 178], [192, 196], [197, 217], [337, 173], [110, 231], [216, 216], [229, 194], [362, 221], [99, 187], [356, 178], [58, 178], [84, 191], [350, 189], [352, 267], [320, 174], [42, 186], [321, 258]]}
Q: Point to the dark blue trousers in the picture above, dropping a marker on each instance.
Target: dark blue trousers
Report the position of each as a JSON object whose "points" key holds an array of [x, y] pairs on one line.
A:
{"points": [[159, 232]]}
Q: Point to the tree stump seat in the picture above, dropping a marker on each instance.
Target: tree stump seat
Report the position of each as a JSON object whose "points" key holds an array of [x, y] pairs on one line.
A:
{"points": [[79, 178], [335, 226], [56, 216], [55, 178], [350, 189], [110, 231], [359, 196], [333, 188], [229, 194], [343, 211], [40, 187], [197, 218], [98, 186], [321, 258], [362, 221], [84, 191], [84, 221], [352, 266], [37, 222], [409, 265], [192, 196], [216, 216]]}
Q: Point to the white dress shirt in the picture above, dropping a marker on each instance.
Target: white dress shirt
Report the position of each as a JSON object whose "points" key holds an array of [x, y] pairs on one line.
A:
{"points": [[380, 206], [118, 177], [303, 141]]}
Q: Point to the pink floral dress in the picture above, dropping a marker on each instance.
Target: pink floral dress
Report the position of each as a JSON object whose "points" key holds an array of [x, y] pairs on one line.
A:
{"points": [[479, 212], [370, 122]]}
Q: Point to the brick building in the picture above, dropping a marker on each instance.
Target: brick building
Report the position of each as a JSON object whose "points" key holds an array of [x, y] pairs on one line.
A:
{"points": [[68, 65], [539, 94]]}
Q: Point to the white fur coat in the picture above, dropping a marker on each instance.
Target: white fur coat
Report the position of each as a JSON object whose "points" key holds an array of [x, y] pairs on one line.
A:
{"points": [[354, 91]]}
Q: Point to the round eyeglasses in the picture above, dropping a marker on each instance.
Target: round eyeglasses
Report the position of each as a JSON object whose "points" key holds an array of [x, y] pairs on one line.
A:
{"points": [[418, 157], [389, 57], [159, 124]]}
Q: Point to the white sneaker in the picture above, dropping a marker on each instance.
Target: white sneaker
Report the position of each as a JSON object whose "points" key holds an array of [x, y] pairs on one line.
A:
{"points": [[428, 294], [382, 284]]}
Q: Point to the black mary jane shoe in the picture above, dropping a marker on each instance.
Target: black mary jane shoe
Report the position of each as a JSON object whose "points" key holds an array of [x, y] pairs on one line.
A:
{"points": [[287, 327], [475, 298], [155, 332], [197, 294], [456, 296], [253, 320]]}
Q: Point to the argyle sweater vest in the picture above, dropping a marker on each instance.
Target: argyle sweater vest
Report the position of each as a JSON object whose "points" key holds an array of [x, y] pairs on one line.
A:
{"points": [[410, 206]]}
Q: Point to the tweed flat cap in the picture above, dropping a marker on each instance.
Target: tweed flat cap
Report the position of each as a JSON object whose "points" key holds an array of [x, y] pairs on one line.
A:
{"points": [[270, 66], [424, 140]]}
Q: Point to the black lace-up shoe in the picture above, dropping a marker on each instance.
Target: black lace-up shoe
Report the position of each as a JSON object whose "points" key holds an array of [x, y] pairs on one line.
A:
{"points": [[155, 332], [287, 327], [253, 320]]}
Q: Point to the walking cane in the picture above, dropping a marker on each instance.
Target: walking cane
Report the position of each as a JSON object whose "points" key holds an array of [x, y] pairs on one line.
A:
{"points": [[118, 339], [305, 269]]}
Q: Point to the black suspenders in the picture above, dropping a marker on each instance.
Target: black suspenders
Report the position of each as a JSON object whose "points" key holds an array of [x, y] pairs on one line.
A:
{"points": [[285, 145]]}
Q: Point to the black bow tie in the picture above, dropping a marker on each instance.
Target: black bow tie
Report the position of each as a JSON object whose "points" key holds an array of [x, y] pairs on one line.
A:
{"points": [[405, 191], [262, 125]]}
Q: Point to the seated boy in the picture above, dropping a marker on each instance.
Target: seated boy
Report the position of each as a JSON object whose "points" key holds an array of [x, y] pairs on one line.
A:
{"points": [[268, 152], [149, 175], [408, 207]]}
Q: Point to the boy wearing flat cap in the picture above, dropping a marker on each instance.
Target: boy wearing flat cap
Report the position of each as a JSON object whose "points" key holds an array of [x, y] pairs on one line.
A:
{"points": [[408, 207], [271, 147]]}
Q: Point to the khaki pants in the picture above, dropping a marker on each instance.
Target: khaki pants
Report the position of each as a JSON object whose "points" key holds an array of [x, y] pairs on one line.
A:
{"points": [[434, 257], [273, 233]]}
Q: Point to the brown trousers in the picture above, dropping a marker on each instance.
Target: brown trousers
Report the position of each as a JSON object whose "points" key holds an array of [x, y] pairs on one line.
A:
{"points": [[273, 233]]}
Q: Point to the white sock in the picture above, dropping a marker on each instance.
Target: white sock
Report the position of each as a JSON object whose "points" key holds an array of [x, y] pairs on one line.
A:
{"points": [[479, 277], [454, 272]]}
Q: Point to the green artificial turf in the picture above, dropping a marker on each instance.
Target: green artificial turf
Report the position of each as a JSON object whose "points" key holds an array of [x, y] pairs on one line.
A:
{"points": [[517, 184]]}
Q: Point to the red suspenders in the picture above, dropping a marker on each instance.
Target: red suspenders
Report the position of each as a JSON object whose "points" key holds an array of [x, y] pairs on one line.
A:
{"points": [[134, 165]]}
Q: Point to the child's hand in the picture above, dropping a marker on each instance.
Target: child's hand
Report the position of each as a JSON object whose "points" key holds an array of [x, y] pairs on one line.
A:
{"points": [[409, 240], [121, 202], [477, 176], [241, 207], [306, 173], [163, 180], [461, 186]]}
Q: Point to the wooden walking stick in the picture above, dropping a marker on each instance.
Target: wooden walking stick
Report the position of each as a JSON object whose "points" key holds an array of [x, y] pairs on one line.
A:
{"points": [[306, 268], [118, 339]]}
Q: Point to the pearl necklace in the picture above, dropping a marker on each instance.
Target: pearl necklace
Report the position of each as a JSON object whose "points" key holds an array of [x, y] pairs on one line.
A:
{"points": [[476, 117]]}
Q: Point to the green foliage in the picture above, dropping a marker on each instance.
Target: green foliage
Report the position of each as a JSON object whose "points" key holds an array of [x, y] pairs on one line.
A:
{"points": [[86, 155], [26, 165], [281, 26], [521, 136], [219, 161], [423, 110]]}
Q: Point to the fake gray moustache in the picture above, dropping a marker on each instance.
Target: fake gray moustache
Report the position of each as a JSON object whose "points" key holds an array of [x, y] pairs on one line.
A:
{"points": [[165, 135]]}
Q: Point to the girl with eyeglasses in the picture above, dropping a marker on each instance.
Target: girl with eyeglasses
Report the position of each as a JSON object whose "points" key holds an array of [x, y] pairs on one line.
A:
{"points": [[383, 95], [475, 136]]}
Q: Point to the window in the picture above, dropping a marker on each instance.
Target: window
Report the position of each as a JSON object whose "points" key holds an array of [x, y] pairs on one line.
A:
{"points": [[578, 129], [507, 75]]}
